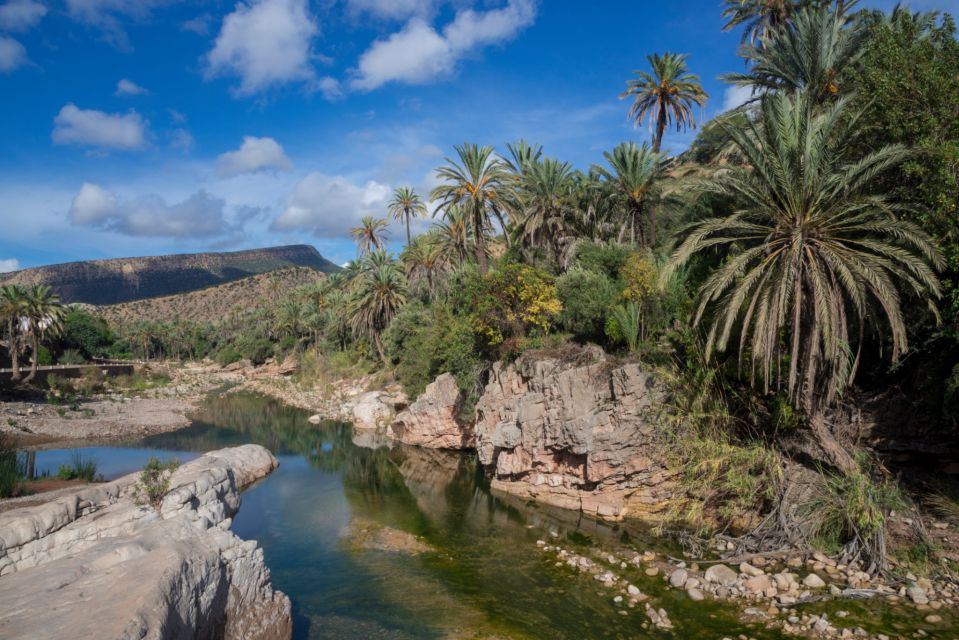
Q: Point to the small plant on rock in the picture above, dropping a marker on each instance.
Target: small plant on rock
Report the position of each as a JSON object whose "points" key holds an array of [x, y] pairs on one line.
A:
{"points": [[154, 482]]}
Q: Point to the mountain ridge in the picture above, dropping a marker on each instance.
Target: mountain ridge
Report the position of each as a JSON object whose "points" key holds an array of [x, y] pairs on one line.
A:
{"points": [[121, 280]]}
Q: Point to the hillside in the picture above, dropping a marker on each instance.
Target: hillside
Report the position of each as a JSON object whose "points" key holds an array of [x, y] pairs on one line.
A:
{"points": [[213, 303], [104, 282]]}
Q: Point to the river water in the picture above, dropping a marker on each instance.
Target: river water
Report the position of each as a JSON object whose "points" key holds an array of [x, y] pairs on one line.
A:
{"points": [[380, 543]]}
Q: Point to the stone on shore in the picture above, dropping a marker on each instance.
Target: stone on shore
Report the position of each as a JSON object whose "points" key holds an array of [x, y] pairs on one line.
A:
{"points": [[433, 419]]}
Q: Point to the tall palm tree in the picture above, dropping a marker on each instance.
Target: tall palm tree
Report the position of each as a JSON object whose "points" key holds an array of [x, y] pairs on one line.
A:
{"points": [[522, 154], [406, 205], [44, 315], [423, 259], [370, 235], [479, 184], [12, 312], [815, 252], [454, 236], [379, 294], [634, 174], [665, 96], [814, 52], [545, 203]]}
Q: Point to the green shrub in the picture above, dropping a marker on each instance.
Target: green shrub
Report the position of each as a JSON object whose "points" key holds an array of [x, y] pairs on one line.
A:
{"points": [[12, 469], [154, 482], [87, 334], [227, 355], [588, 298], [601, 258], [80, 468], [44, 357], [71, 356], [255, 348]]}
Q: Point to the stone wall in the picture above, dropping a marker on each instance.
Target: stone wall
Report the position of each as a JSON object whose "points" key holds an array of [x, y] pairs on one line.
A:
{"points": [[96, 564]]}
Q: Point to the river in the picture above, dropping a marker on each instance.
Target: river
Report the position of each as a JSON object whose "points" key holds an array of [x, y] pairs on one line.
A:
{"points": [[401, 543]]}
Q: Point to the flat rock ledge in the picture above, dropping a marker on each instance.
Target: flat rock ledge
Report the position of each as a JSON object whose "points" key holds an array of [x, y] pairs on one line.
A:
{"points": [[94, 564]]}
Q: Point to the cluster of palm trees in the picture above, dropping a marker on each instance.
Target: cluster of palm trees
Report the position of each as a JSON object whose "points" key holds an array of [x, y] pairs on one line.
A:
{"points": [[28, 315]]}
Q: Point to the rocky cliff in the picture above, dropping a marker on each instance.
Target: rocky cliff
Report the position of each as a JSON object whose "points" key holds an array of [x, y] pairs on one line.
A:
{"points": [[94, 564], [574, 431], [104, 282]]}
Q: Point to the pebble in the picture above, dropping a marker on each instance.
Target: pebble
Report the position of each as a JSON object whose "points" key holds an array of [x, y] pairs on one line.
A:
{"points": [[813, 581], [678, 577], [695, 594]]}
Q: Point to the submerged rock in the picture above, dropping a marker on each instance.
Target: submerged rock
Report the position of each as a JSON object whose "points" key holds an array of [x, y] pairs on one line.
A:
{"points": [[93, 564]]}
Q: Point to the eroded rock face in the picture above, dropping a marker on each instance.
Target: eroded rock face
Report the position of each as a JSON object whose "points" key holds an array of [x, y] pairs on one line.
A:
{"points": [[376, 409], [433, 420], [575, 435], [95, 564]]}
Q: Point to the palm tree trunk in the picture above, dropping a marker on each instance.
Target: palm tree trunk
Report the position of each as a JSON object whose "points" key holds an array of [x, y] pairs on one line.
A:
{"points": [[660, 129], [408, 237], [379, 349], [35, 357], [14, 347], [652, 228], [479, 248]]}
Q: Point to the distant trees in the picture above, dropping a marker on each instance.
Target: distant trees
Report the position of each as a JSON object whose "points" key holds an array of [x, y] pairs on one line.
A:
{"points": [[667, 95], [633, 175], [13, 306], [405, 206], [370, 235]]}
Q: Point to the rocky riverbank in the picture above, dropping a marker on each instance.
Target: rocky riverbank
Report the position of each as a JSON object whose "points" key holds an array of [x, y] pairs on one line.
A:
{"points": [[176, 571]]}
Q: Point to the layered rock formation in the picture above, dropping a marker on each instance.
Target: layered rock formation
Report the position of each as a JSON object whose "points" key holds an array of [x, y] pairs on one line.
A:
{"points": [[574, 435], [433, 420], [96, 564], [576, 432]]}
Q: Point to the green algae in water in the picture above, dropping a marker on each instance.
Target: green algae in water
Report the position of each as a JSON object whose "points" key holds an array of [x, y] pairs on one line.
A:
{"points": [[448, 558]]}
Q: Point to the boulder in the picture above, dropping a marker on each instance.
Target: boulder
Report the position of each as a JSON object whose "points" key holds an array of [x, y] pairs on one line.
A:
{"points": [[375, 409], [433, 419], [722, 575], [678, 577], [813, 581], [758, 584]]}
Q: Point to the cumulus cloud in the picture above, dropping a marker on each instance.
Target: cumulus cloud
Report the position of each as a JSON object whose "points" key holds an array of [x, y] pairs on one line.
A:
{"points": [[12, 54], [392, 9], [20, 15], [265, 43], [418, 53], [129, 88], [736, 97], [199, 25], [329, 206], [181, 139], [199, 216], [255, 154], [9, 264], [98, 129]]}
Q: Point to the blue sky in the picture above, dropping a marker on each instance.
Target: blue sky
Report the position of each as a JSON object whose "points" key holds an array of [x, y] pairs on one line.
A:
{"points": [[140, 127]]}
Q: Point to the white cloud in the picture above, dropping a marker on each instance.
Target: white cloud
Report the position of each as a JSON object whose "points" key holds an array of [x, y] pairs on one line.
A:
{"points": [[392, 9], [418, 53], [106, 15], [9, 264], [255, 154], [199, 25], [265, 43], [129, 88], [199, 216], [20, 15], [12, 54], [329, 206], [736, 97], [329, 87], [96, 128], [181, 139]]}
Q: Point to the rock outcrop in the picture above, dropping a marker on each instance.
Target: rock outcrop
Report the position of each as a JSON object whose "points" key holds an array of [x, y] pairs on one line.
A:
{"points": [[376, 409], [433, 420], [96, 564], [576, 432]]}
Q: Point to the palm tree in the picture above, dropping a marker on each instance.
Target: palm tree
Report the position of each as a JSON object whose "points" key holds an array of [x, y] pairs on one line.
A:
{"points": [[406, 205], [379, 294], [12, 312], [544, 204], [633, 175], [760, 18], [522, 154], [423, 258], [665, 96], [479, 184], [454, 237], [44, 314], [815, 251], [370, 234], [814, 51]]}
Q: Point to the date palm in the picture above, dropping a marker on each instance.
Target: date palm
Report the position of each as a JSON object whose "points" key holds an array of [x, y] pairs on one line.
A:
{"points": [[423, 259], [544, 204], [378, 294], [12, 312], [815, 253], [633, 175], [370, 235], [759, 18], [815, 52], [406, 205], [454, 236], [44, 315], [479, 184], [666, 96]]}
